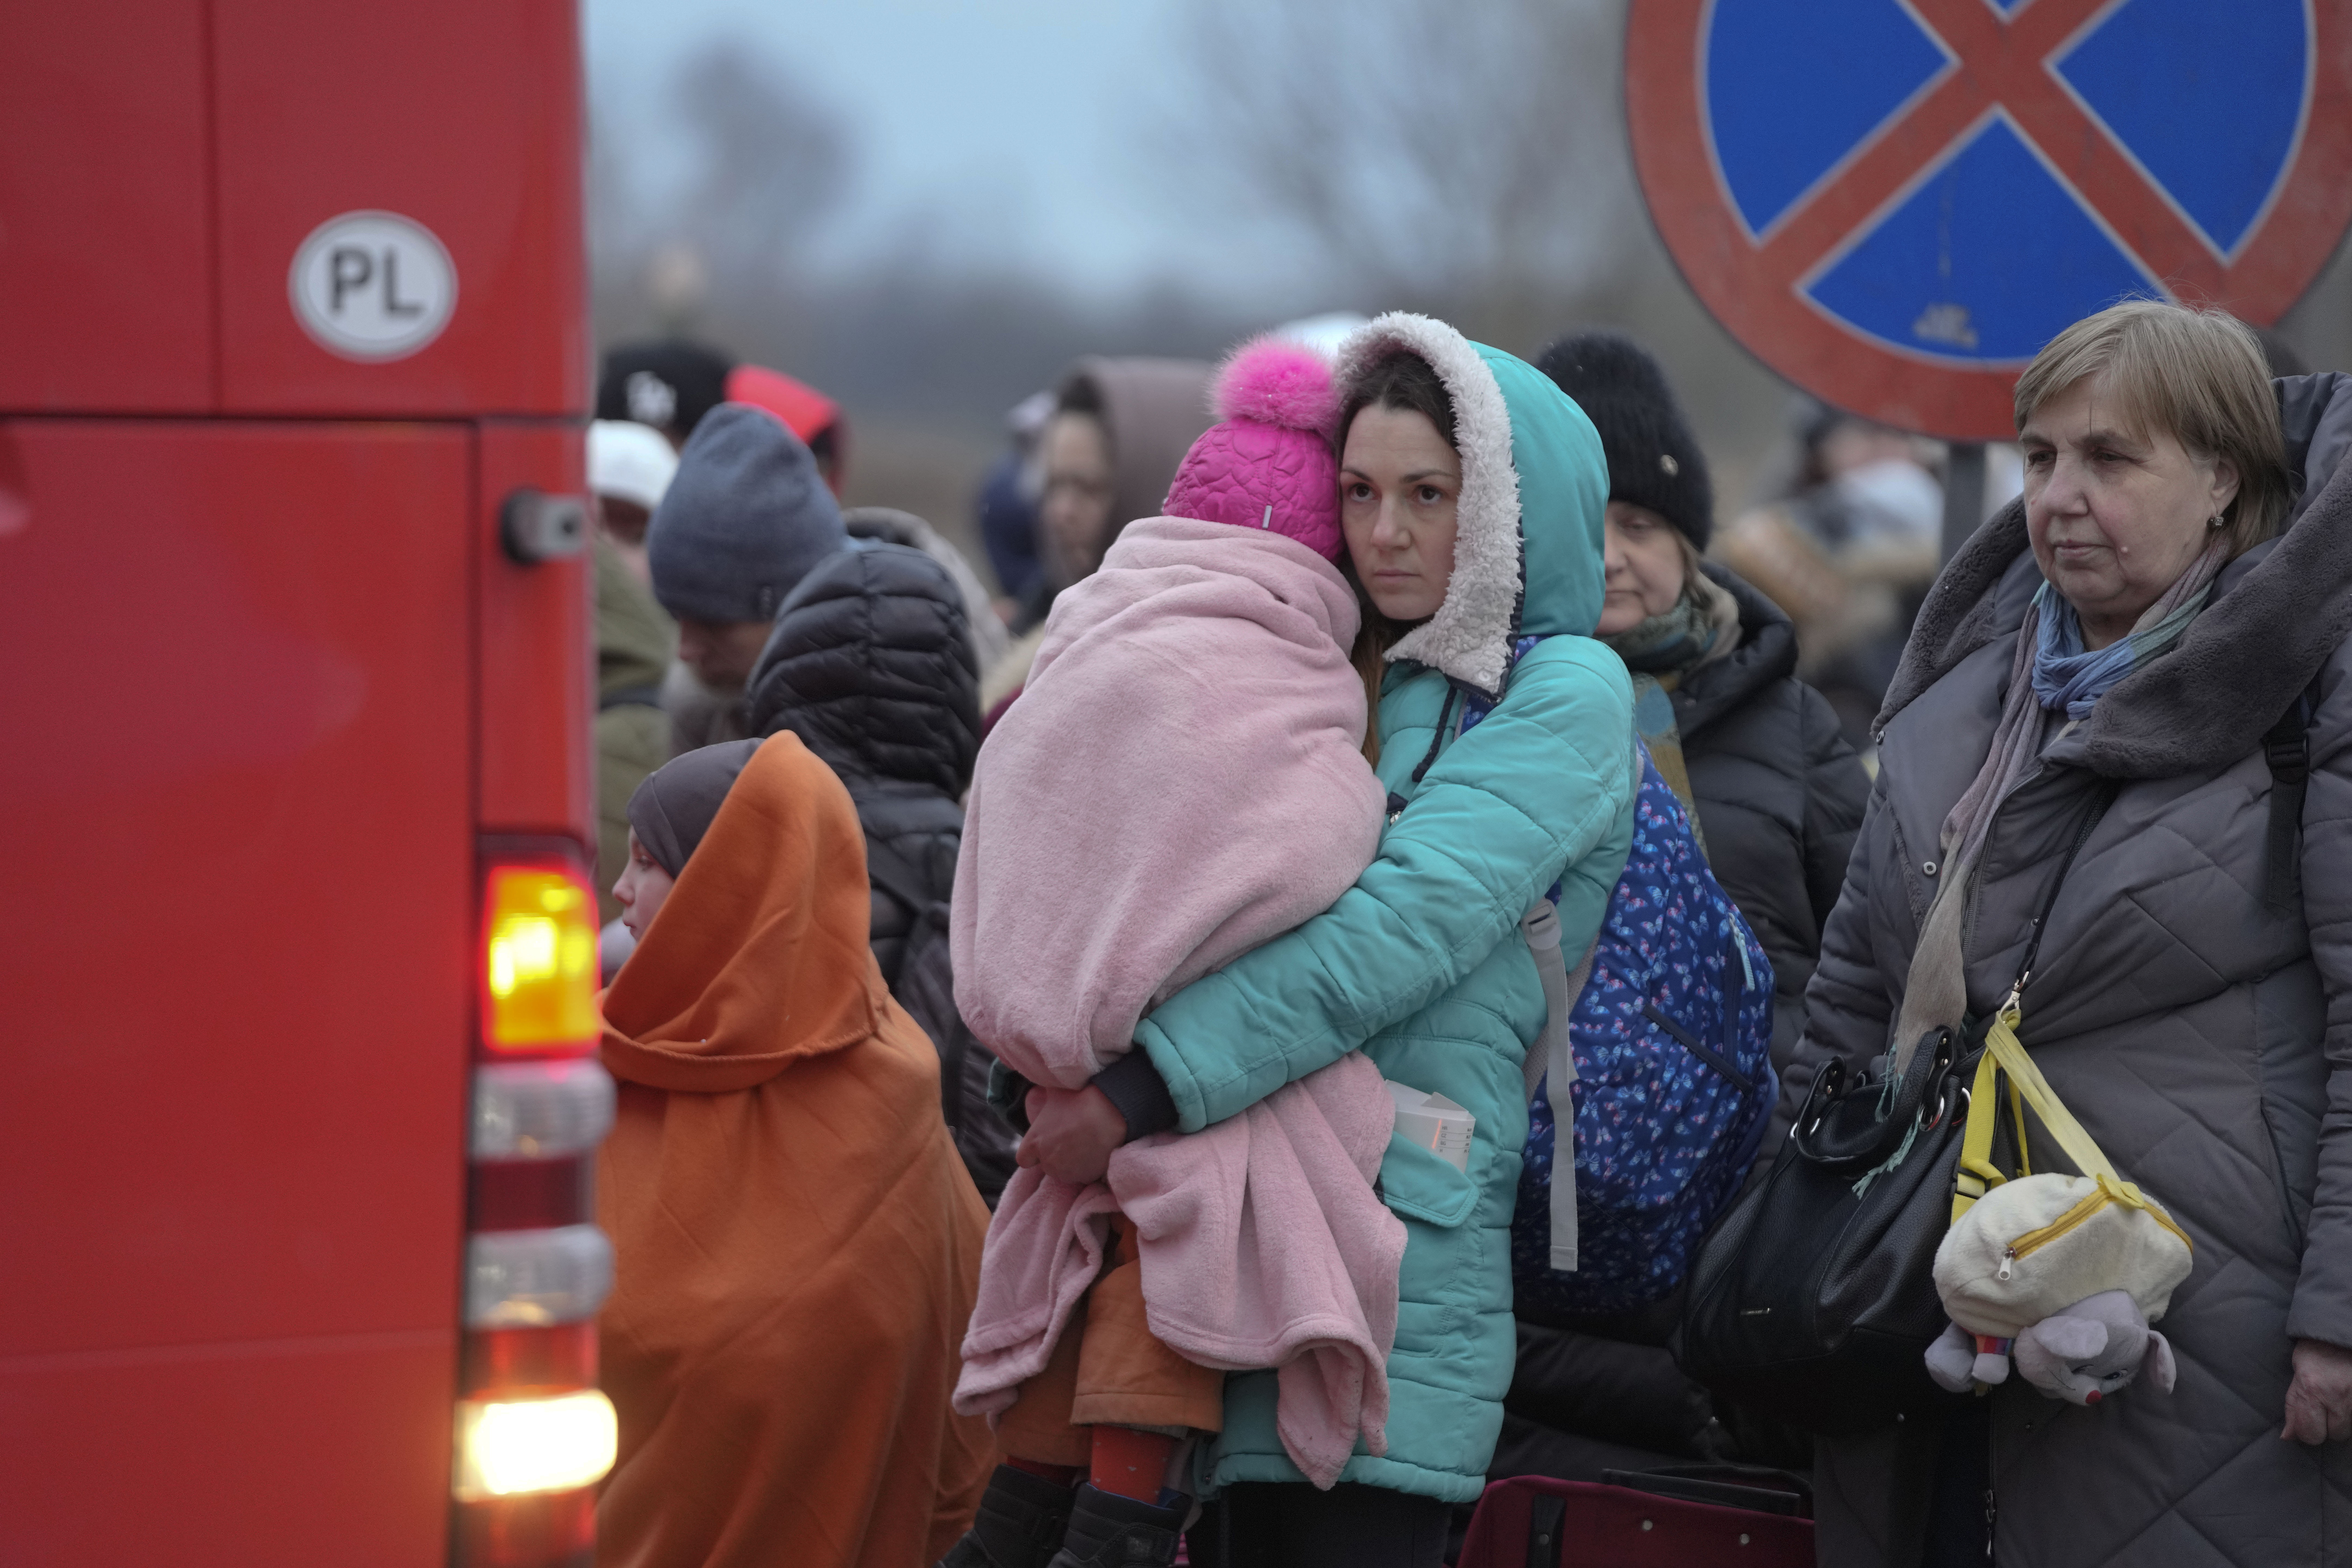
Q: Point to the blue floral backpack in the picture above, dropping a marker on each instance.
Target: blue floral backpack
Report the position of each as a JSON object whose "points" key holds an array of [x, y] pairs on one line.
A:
{"points": [[1670, 1044]]}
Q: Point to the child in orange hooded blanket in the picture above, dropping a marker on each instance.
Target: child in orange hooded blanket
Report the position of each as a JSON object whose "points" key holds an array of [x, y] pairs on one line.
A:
{"points": [[797, 1243]]}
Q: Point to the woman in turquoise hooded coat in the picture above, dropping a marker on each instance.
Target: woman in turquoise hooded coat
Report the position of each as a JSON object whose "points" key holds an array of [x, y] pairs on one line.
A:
{"points": [[1421, 964]]}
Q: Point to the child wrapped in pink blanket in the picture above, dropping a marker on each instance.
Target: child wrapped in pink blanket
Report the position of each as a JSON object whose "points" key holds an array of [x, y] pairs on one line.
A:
{"points": [[1182, 779]]}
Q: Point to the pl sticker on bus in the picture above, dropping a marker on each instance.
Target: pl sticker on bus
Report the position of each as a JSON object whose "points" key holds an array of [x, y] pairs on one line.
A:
{"points": [[373, 286]]}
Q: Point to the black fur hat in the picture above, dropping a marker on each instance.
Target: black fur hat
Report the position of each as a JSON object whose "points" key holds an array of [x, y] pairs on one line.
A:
{"points": [[1654, 458]]}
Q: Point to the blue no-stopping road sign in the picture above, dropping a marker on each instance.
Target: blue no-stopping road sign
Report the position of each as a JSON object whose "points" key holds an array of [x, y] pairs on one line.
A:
{"points": [[1896, 202]]}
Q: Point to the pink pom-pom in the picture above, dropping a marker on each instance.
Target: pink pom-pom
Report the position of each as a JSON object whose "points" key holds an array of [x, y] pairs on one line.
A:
{"points": [[1277, 382]]}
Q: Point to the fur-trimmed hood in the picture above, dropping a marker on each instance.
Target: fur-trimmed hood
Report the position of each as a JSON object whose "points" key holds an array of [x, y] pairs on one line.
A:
{"points": [[2277, 613], [1535, 486]]}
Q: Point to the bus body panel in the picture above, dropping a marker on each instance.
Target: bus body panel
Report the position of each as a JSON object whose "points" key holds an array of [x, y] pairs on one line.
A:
{"points": [[267, 679], [239, 941], [460, 115], [106, 242]]}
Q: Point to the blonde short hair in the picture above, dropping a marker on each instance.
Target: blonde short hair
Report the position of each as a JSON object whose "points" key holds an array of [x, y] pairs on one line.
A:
{"points": [[2196, 374]]}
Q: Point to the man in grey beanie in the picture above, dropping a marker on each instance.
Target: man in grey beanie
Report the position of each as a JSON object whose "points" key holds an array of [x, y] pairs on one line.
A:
{"points": [[743, 521]]}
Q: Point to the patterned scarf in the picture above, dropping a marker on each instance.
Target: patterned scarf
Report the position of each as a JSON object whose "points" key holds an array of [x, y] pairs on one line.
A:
{"points": [[1702, 627], [2052, 672]]}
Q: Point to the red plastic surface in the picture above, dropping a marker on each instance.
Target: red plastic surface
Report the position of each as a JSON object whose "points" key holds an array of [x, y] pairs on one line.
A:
{"points": [[510, 1361], [537, 673], [106, 296], [534, 1531], [296, 1453], [237, 964], [531, 1195], [461, 116]]}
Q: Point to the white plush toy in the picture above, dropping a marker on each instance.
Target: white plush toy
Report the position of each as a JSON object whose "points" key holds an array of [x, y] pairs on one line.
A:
{"points": [[2093, 1349], [2065, 1273]]}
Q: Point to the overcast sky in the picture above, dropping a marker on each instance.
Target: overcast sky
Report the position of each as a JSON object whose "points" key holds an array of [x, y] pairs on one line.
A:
{"points": [[1019, 129]]}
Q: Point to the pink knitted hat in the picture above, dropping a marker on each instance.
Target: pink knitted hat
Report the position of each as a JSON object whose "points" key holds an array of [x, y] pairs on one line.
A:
{"points": [[1267, 462]]}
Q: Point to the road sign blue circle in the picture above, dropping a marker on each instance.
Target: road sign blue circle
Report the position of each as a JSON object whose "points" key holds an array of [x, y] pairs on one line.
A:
{"points": [[1946, 183]]}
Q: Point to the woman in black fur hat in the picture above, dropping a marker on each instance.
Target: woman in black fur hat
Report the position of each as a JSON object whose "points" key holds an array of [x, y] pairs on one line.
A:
{"points": [[1776, 796]]}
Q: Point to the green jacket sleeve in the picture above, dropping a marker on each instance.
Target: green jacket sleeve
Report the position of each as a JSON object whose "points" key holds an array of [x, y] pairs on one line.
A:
{"points": [[1524, 800]]}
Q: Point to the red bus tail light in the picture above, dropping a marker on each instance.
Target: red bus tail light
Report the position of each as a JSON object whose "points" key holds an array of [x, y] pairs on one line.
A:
{"points": [[530, 1530], [539, 959], [533, 1444], [532, 1434]]}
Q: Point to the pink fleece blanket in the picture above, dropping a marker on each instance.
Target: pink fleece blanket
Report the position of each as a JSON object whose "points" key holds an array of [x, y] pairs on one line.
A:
{"points": [[1180, 779]]}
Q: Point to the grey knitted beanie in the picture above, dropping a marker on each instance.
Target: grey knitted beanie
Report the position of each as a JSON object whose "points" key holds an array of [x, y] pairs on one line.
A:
{"points": [[743, 521]]}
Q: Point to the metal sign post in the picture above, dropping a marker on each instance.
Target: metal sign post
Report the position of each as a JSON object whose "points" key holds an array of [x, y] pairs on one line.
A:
{"points": [[1964, 494]]}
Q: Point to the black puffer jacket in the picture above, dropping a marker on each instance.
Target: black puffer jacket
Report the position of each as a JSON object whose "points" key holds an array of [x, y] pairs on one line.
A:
{"points": [[1781, 797], [871, 666]]}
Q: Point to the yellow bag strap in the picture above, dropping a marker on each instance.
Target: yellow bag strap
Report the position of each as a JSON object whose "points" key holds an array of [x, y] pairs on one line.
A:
{"points": [[2003, 1046], [2006, 1053], [1977, 1174]]}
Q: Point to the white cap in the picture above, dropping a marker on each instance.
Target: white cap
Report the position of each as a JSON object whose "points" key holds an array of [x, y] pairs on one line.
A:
{"points": [[1323, 333], [629, 462]]}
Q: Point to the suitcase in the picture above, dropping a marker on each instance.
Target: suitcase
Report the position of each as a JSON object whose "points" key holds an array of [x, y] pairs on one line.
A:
{"points": [[1536, 1521]]}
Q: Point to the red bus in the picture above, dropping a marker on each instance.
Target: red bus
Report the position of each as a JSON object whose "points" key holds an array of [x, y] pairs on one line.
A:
{"points": [[297, 1262]]}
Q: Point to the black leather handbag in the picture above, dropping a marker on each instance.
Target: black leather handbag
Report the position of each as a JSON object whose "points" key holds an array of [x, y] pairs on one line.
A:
{"points": [[1814, 1300]]}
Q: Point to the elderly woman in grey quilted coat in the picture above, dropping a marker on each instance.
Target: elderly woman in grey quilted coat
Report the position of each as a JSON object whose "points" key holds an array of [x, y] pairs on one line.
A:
{"points": [[2177, 577]]}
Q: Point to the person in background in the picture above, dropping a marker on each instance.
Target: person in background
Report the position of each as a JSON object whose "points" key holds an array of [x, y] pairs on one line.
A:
{"points": [[808, 412], [796, 1244], [667, 385], [1005, 510], [1847, 553], [2131, 636], [671, 386], [1119, 428], [1776, 794], [629, 470], [745, 520], [818, 421], [869, 665], [984, 627]]}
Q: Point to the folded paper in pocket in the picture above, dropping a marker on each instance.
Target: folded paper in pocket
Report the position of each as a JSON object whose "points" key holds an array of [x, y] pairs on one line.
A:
{"points": [[1434, 1122]]}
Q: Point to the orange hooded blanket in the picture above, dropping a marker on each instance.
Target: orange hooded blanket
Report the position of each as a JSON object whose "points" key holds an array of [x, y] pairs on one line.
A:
{"points": [[798, 1244]]}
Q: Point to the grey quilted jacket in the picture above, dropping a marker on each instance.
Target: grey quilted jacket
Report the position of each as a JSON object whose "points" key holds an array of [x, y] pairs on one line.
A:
{"points": [[2204, 1042]]}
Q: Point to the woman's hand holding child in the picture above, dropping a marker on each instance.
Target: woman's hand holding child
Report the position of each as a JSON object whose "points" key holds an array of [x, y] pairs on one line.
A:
{"points": [[1072, 1133]]}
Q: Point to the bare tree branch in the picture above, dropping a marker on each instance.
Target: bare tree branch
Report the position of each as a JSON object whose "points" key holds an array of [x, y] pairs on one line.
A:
{"points": [[773, 162], [1426, 148]]}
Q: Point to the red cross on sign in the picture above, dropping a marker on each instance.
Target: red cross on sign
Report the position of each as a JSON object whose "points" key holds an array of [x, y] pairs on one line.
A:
{"points": [[1894, 202]]}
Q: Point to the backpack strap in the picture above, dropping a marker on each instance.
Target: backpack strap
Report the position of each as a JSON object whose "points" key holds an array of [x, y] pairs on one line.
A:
{"points": [[1547, 1520], [2286, 747], [888, 869], [1551, 1062]]}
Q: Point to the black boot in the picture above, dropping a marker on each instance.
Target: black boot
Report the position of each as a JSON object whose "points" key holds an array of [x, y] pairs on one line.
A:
{"points": [[1021, 1521], [1108, 1531]]}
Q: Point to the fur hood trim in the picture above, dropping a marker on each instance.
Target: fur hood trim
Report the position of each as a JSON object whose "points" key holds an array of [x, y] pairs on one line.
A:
{"points": [[1469, 638], [2278, 612]]}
